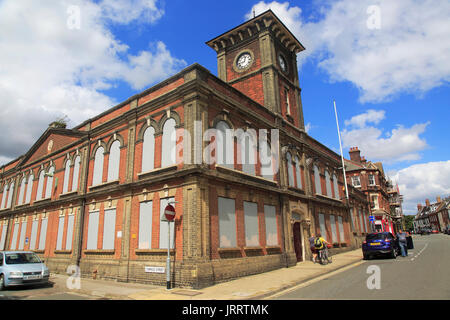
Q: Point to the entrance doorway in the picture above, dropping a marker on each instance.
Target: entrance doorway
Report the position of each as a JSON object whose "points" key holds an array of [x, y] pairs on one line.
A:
{"points": [[297, 241]]}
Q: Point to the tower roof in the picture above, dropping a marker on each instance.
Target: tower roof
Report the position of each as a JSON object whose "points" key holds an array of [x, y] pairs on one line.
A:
{"points": [[265, 21]]}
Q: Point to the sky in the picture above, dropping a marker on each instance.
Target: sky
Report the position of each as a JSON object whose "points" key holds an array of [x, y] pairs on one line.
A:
{"points": [[385, 63]]}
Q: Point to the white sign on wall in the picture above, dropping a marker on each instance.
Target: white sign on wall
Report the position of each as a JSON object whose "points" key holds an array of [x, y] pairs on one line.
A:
{"points": [[155, 269]]}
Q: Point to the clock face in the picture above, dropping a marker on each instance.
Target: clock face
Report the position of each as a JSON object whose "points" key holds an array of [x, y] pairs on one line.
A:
{"points": [[282, 63], [244, 60]]}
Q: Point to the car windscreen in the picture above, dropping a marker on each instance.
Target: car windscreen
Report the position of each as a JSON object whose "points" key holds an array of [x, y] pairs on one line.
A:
{"points": [[376, 236], [21, 258]]}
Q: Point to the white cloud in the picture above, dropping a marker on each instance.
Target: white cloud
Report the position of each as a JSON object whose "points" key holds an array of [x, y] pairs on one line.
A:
{"points": [[408, 53], [49, 69], [371, 116], [422, 181], [400, 144]]}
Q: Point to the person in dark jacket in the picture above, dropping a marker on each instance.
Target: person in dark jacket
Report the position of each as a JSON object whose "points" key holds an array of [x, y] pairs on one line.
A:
{"points": [[401, 236]]}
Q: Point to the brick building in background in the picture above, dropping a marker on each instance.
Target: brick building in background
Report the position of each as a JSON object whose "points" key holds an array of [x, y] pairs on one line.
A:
{"points": [[93, 195], [433, 216], [369, 178]]}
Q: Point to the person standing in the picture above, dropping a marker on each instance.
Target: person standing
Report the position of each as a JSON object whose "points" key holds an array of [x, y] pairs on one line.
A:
{"points": [[401, 236], [313, 248]]}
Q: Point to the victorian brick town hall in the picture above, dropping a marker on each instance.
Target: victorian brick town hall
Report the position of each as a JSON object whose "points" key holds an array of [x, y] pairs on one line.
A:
{"points": [[92, 196]]}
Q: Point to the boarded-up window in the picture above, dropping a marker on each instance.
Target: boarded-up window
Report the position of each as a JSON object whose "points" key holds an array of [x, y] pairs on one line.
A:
{"points": [[49, 187], [266, 159], [22, 191], [114, 161], [29, 189], [148, 150], [34, 230], [248, 152], [168, 143], [5, 192], [323, 230], [59, 238], [10, 195], [66, 177], [76, 173], [3, 238], [69, 237], [328, 184], [15, 234], [145, 225], [290, 170], [40, 185], [341, 230], [251, 224], [98, 167], [297, 173], [23, 231], [271, 225], [336, 187], [92, 230], [224, 145], [163, 230], [333, 229], [317, 180], [109, 229], [227, 223], [43, 235]]}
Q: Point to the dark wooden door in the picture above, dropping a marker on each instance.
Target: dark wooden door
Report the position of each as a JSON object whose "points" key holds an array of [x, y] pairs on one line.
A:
{"points": [[297, 241]]}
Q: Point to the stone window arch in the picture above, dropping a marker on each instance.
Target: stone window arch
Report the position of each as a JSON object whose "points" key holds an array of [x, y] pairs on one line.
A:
{"points": [[114, 161], [224, 144], [148, 148], [266, 159], [336, 186], [40, 188], [76, 172], [10, 195], [29, 187], [298, 172], [97, 175], [49, 186], [168, 145], [328, 184], [66, 175], [248, 145], [4, 196], [23, 185]]}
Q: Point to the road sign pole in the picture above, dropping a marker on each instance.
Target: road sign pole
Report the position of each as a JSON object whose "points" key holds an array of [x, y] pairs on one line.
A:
{"points": [[168, 256]]}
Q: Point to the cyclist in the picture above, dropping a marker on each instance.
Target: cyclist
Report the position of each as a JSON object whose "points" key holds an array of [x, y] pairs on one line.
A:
{"points": [[320, 244]]}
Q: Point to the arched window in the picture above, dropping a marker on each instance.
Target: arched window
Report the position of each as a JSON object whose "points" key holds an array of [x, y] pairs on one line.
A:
{"points": [[5, 193], [10, 194], [29, 188], [22, 191], [40, 185], [317, 180], [148, 150], [98, 166], [298, 173], [49, 187], [76, 173], [66, 177], [290, 169], [224, 145], [114, 161], [168, 143], [248, 152], [265, 156], [336, 187], [328, 184]]}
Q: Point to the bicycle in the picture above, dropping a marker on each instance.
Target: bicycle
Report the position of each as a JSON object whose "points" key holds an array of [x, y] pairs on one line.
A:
{"points": [[324, 256]]}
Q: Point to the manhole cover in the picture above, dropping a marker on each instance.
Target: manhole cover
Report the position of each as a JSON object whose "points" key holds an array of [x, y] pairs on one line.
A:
{"points": [[186, 292]]}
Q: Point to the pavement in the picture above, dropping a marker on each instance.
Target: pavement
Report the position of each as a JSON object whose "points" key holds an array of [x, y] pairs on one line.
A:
{"points": [[254, 287]]}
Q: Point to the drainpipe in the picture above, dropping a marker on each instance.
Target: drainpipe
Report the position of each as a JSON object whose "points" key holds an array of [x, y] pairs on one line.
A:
{"points": [[83, 202]]}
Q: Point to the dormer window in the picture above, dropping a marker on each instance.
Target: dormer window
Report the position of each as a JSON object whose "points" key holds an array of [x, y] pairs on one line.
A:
{"points": [[371, 180], [356, 182]]}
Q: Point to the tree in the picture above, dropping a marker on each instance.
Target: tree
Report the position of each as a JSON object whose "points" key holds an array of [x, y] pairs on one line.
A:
{"points": [[409, 222]]}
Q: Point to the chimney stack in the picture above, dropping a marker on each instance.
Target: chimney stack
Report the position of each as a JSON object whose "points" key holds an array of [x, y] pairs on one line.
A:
{"points": [[355, 154], [438, 199], [427, 202]]}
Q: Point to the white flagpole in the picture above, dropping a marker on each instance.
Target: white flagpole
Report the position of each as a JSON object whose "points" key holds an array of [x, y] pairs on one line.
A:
{"points": [[342, 156]]}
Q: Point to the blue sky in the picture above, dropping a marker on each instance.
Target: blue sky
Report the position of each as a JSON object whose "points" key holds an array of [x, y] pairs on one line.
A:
{"points": [[387, 65]]}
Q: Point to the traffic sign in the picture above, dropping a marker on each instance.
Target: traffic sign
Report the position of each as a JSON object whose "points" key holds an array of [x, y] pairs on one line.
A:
{"points": [[169, 212]]}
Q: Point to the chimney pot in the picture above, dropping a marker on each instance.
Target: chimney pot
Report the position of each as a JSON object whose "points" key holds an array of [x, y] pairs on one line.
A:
{"points": [[427, 202], [355, 154], [438, 199]]}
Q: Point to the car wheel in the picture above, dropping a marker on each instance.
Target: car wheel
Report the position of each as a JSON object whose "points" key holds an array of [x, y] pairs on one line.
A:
{"points": [[2, 283], [394, 254]]}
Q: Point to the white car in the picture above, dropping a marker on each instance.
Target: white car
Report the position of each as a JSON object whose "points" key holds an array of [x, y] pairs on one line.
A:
{"points": [[21, 268]]}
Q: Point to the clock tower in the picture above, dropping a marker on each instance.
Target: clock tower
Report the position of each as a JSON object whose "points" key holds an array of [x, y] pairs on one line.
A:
{"points": [[259, 58]]}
